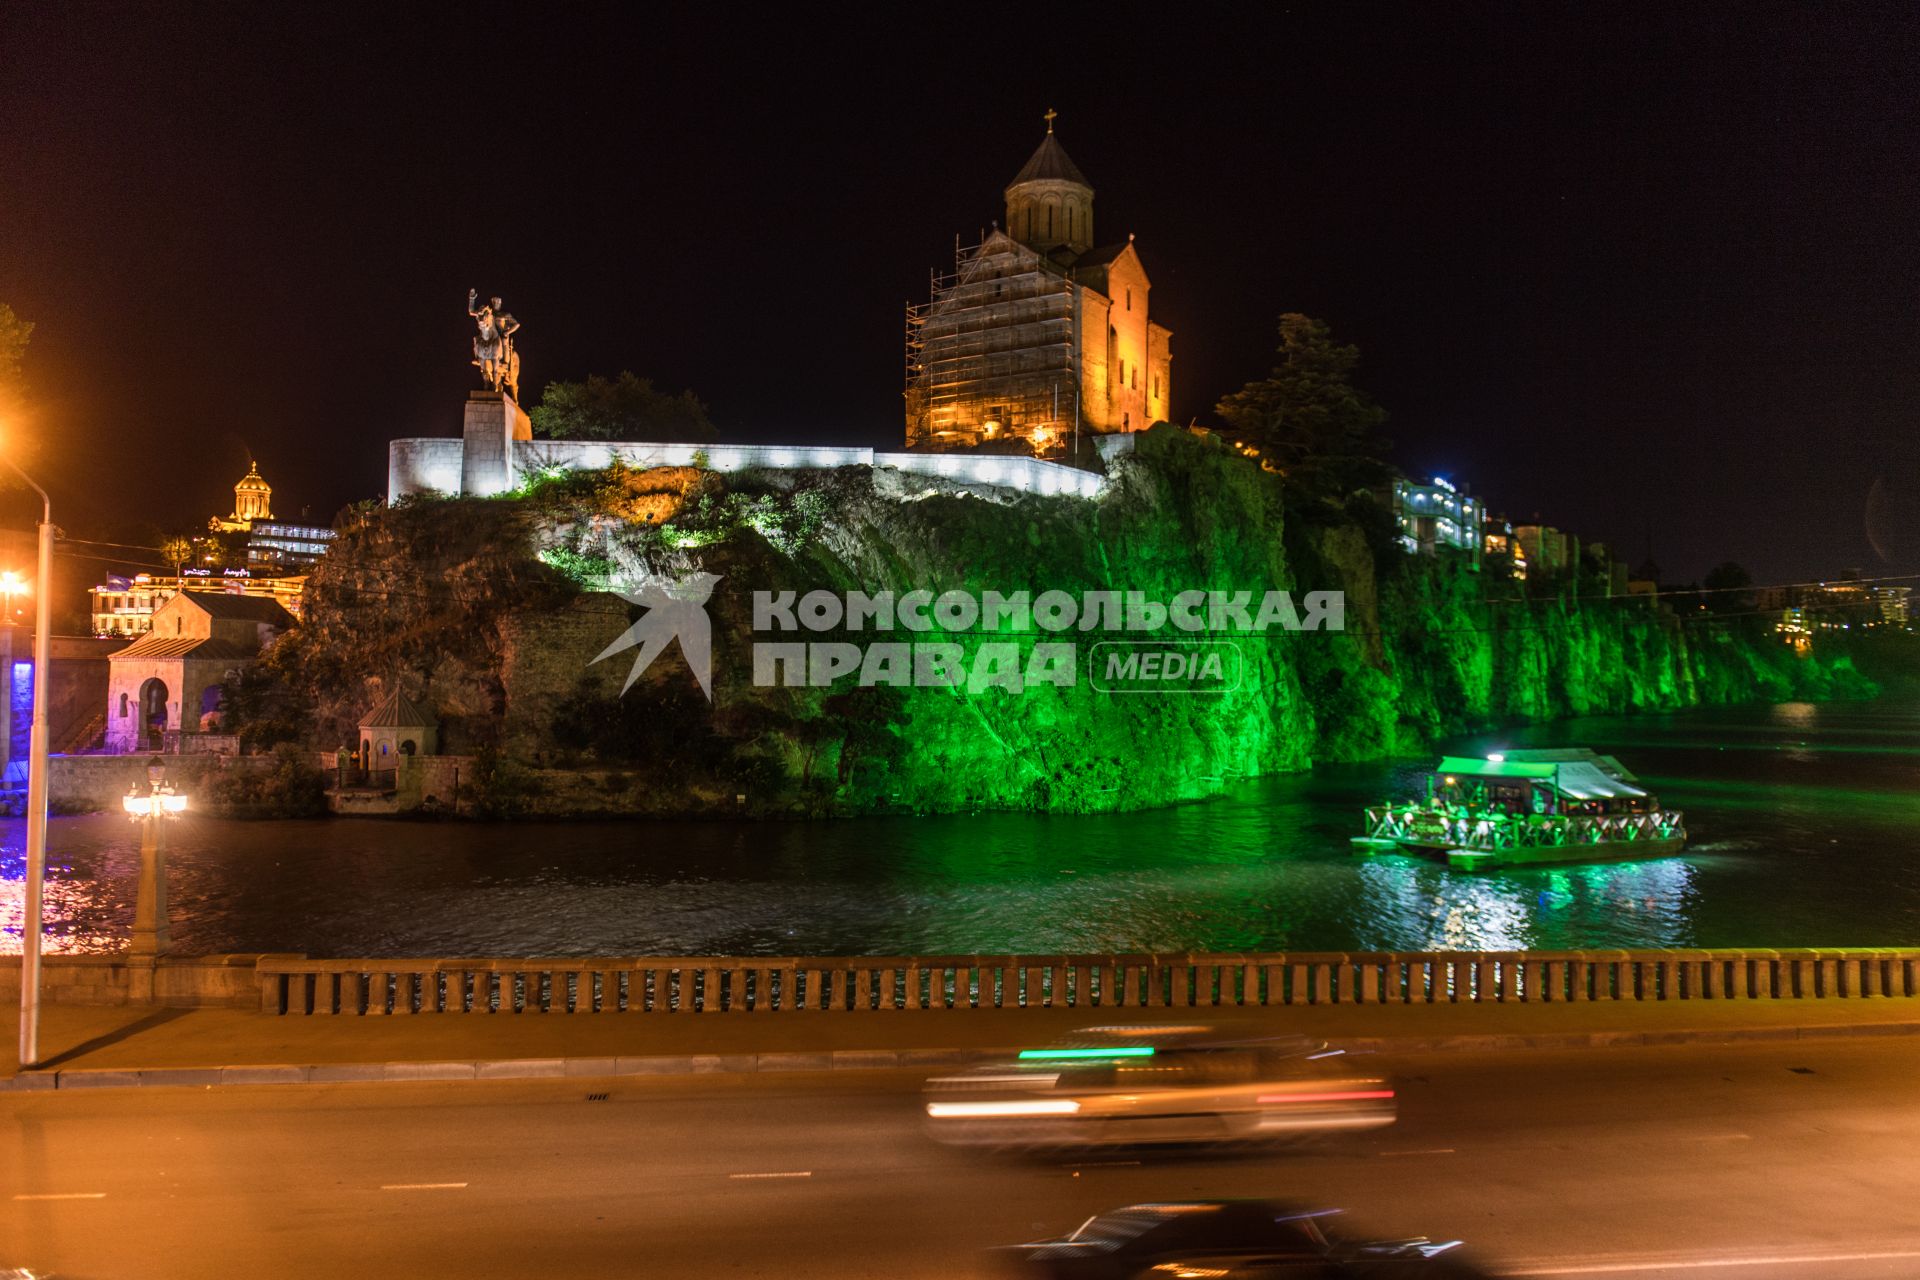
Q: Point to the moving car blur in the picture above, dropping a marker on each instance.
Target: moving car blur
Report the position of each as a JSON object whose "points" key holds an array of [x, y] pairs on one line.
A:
{"points": [[1156, 1085], [1230, 1240]]}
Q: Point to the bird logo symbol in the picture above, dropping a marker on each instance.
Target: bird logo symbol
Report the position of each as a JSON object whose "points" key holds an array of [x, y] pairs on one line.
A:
{"points": [[676, 610]]}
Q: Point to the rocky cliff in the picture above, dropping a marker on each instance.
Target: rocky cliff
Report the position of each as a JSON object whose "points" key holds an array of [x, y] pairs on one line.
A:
{"points": [[492, 612]]}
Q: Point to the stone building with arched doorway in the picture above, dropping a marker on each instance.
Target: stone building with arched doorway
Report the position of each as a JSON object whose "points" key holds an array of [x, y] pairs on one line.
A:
{"points": [[168, 681]]}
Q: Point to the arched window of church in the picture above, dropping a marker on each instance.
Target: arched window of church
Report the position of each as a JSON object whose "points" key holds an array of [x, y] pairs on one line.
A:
{"points": [[1129, 299], [123, 706], [1049, 220]]}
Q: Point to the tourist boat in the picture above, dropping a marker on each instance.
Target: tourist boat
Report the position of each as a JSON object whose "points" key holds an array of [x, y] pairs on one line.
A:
{"points": [[1564, 804]]}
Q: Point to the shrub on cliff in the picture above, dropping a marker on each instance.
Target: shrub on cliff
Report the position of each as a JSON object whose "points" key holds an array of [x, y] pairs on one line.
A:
{"points": [[295, 788]]}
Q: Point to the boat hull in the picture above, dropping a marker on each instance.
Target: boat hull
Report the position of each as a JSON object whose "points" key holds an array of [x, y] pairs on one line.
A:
{"points": [[1522, 855]]}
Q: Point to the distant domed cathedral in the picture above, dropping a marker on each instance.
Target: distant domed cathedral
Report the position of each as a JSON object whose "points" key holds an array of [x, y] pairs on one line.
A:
{"points": [[251, 501], [1037, 333]]}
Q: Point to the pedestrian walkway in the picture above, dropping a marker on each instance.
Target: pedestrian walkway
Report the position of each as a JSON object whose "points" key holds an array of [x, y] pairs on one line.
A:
{"points": [[99, 1046]]}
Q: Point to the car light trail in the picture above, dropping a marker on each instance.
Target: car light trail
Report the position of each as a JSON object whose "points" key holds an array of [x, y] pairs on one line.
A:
{"points": [[1350, 1095], [1125, 1051], [67, 1195], [1702, 1264], [1037, 1107]]}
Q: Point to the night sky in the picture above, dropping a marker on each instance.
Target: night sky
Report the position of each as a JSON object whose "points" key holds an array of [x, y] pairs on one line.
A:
{"points": [[1634, 270]]}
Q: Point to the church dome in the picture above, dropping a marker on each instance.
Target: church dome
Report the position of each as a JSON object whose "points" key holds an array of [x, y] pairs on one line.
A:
{"points": [[1050, 163], [252, 498], [1050, 202]]}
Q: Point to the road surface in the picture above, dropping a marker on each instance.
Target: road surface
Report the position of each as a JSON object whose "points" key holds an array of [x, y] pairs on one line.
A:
{"points": [[1753, 1163]]}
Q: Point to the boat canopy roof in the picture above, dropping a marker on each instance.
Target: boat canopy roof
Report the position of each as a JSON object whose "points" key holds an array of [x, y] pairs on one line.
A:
{"points": [[1560, 755], [1472, 767], [1583, 781], [1576, 773]]}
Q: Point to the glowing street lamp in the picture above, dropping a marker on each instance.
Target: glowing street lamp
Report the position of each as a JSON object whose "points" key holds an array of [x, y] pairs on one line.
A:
{"points": [[161, 804], [150, 941], [30, 927], [13, 586]]}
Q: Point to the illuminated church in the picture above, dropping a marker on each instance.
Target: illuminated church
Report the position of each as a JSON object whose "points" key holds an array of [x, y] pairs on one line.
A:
{"points": [[1037, 334], [252, 499]]}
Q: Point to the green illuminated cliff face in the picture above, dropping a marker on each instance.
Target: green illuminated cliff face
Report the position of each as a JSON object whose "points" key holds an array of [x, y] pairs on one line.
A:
{"points": [[1430, 647]]}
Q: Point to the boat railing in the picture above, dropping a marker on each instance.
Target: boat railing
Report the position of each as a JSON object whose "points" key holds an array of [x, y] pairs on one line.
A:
{"points": [[1492, 832]]}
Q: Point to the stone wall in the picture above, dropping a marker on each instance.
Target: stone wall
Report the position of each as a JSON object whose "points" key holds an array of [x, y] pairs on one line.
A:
{"points": [[436, 784], [82, 784], [436, 466], [541, 663], [76, 695], [225, 981], [423, 466]]}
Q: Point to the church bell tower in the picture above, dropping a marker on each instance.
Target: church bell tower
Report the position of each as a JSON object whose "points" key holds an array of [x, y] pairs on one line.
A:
{"points": [[1050, 202]]}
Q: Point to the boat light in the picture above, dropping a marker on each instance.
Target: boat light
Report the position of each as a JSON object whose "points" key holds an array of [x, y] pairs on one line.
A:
{"points": [[1496, 757], [1124, 1051]]}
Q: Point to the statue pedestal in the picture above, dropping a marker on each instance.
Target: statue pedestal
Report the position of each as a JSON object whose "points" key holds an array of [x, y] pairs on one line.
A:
{"points": [[493, 422]]}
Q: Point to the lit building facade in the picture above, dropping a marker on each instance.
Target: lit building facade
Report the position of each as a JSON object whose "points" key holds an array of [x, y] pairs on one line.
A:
{"points": [[1037, 334], [1499, 543], [1441, 514], [1548, 549], [125, 606], [285, 547]]}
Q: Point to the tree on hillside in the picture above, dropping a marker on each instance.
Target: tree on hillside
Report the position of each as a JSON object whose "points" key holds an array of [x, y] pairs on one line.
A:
{"points": [[176, 551], [1307, 418], [623, 408], [14, 333]]}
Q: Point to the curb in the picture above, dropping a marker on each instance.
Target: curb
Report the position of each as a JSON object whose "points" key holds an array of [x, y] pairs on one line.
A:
{"points": [[842, 1059]]}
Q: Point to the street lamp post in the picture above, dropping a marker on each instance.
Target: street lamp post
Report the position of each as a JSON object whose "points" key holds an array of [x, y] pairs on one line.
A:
{"points": [[36, 785], [150, 941]]}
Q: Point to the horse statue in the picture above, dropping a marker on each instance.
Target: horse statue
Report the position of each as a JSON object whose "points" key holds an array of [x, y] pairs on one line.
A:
{"points": [[493, 351]]}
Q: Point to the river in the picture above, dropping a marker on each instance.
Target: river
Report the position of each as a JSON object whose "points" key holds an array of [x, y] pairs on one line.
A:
{"points": [[1805, 824]]}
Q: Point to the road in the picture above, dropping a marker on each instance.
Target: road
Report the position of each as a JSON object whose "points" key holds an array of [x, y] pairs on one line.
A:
{"points": [[1755, 1163]]}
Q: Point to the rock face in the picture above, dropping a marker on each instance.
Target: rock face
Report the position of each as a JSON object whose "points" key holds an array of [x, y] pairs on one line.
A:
{"points": [[487, 610]]}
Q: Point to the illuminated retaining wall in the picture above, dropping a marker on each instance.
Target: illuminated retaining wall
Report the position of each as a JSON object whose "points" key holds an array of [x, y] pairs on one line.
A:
{"points": [[434, 465]]}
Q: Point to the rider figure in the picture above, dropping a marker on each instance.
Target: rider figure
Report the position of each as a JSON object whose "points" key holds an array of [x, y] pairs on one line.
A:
{"points": [[493, 345]]}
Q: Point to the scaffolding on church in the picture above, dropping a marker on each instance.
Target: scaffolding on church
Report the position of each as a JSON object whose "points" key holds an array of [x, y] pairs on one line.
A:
{"points": [[991, 356]]}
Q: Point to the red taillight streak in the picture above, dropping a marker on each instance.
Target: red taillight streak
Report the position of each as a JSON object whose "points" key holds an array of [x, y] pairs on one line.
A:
{"points": [[1357, 1095]]}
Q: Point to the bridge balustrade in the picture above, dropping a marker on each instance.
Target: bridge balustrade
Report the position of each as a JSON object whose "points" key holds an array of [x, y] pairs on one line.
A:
{"points": [[951, 984]]}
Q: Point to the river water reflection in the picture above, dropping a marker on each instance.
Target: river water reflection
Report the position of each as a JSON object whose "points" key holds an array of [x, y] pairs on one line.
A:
{"points": [[1805, 822]]}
